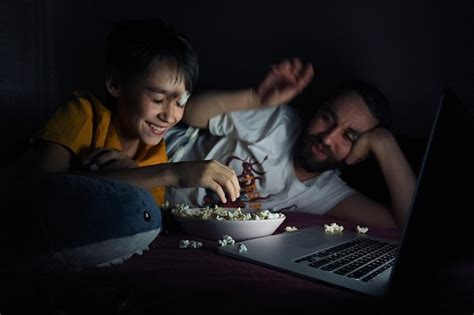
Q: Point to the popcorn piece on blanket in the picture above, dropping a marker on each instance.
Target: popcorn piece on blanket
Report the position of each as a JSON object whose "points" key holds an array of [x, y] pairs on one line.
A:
{"points": [[195, 244], [189, 244], [183, 243], [333, 228], [362, 229], [226, 240], [291, 229]]}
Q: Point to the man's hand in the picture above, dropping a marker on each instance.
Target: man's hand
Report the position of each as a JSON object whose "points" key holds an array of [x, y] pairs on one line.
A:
{"points": [[367, 143], [108, 159], [208, 174], [285, 80], [398, 176]]}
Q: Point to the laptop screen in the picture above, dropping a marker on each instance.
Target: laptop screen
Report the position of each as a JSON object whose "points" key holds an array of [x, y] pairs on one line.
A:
{"points": [[436, 232]]}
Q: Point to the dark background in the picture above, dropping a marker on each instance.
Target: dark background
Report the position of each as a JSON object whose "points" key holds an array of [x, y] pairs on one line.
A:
{"points": [[409, 49]]}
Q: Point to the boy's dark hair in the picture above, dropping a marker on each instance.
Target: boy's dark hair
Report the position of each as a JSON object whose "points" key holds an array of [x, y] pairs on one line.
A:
{"points": [[376, 101], [134, 46]]}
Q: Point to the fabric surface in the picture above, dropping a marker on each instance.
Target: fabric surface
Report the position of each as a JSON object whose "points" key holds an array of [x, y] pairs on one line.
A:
{"points": [[83, 124], [179, 280], [258, 145]]}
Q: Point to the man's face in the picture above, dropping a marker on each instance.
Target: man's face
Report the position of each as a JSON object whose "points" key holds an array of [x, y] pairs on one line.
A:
{"points": [[148, 108], [332, 132]]}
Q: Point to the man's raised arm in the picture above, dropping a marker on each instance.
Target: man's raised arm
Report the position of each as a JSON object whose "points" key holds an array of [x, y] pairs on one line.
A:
{"points": [[284, 81]]}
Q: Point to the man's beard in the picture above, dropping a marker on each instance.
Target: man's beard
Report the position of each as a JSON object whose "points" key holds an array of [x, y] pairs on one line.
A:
{"points": [[304, 155]]}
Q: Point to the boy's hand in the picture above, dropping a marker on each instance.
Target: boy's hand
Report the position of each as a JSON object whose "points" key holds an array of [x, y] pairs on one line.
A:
{"points": [[208, 174], [285, 80], [108, 159]]}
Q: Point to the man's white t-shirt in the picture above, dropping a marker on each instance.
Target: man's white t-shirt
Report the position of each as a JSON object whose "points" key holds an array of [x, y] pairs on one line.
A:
{"points": [[258, 145]]}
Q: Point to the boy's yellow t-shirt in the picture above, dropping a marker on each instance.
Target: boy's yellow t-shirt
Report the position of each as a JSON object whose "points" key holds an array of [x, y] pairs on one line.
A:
{"points": [[83, 123]]}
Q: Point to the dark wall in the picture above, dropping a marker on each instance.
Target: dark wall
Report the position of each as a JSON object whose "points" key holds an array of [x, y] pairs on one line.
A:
{"points": [[410, 49]]}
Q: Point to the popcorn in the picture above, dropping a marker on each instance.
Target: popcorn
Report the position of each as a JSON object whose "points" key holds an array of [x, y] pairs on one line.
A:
{"points": [[362, 230], [189, 244], [226, 240], [183, 243], [242, 248], [218, 213], [333, 228], [291, 229], [229, 239], [195, 244], [165, 205], [178, 208], [93, 167]]}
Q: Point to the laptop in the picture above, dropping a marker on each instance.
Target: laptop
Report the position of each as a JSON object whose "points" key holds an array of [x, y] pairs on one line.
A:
{"points": [[376, 266]]}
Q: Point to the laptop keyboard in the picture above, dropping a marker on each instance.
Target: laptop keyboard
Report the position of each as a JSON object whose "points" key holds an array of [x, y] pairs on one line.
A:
{"points": [[362, 259]]}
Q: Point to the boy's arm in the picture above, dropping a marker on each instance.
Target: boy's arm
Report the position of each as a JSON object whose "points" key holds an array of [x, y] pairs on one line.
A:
{"points": [[43, 157], [398, 176], [284, 81], [52, 158]]}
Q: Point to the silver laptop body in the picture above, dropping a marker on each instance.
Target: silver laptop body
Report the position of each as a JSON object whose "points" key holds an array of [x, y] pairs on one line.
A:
{"points": [[287, 252], [418, 249]]}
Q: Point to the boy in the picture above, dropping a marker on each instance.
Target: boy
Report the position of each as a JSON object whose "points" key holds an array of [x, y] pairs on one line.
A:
{"points": [[88, 173], [151, 71]]}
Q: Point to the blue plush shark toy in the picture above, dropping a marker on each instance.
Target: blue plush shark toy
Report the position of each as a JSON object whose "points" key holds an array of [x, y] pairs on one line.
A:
{"points": [[86, 222]]}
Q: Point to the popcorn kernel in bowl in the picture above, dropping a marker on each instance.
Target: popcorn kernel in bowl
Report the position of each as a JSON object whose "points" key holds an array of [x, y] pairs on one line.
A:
{"points": [[218, 213]]}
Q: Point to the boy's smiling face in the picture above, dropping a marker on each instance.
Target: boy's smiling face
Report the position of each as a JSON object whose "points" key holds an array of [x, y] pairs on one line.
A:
{"points": [[149, 107]]}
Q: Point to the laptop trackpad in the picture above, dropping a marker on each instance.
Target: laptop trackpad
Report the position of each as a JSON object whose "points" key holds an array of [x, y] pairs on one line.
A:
{"points": [[314, 238]]}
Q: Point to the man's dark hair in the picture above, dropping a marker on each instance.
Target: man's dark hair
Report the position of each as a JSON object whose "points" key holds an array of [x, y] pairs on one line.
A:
{"points": [[376, 101], [134, 46]]}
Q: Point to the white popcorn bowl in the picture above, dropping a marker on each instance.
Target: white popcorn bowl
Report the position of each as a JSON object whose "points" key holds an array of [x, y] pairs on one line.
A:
{"points": [[239, 230]]}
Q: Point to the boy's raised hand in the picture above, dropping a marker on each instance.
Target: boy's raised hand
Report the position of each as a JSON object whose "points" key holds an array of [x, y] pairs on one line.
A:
{"points": [[285, 80]]}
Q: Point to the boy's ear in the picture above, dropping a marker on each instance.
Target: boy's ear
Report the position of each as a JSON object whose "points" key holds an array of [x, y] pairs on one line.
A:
{"points": [[112, 83]]}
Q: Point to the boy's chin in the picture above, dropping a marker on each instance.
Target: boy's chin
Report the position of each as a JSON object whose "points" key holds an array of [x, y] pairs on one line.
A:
{"points": [[151, 141]]}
